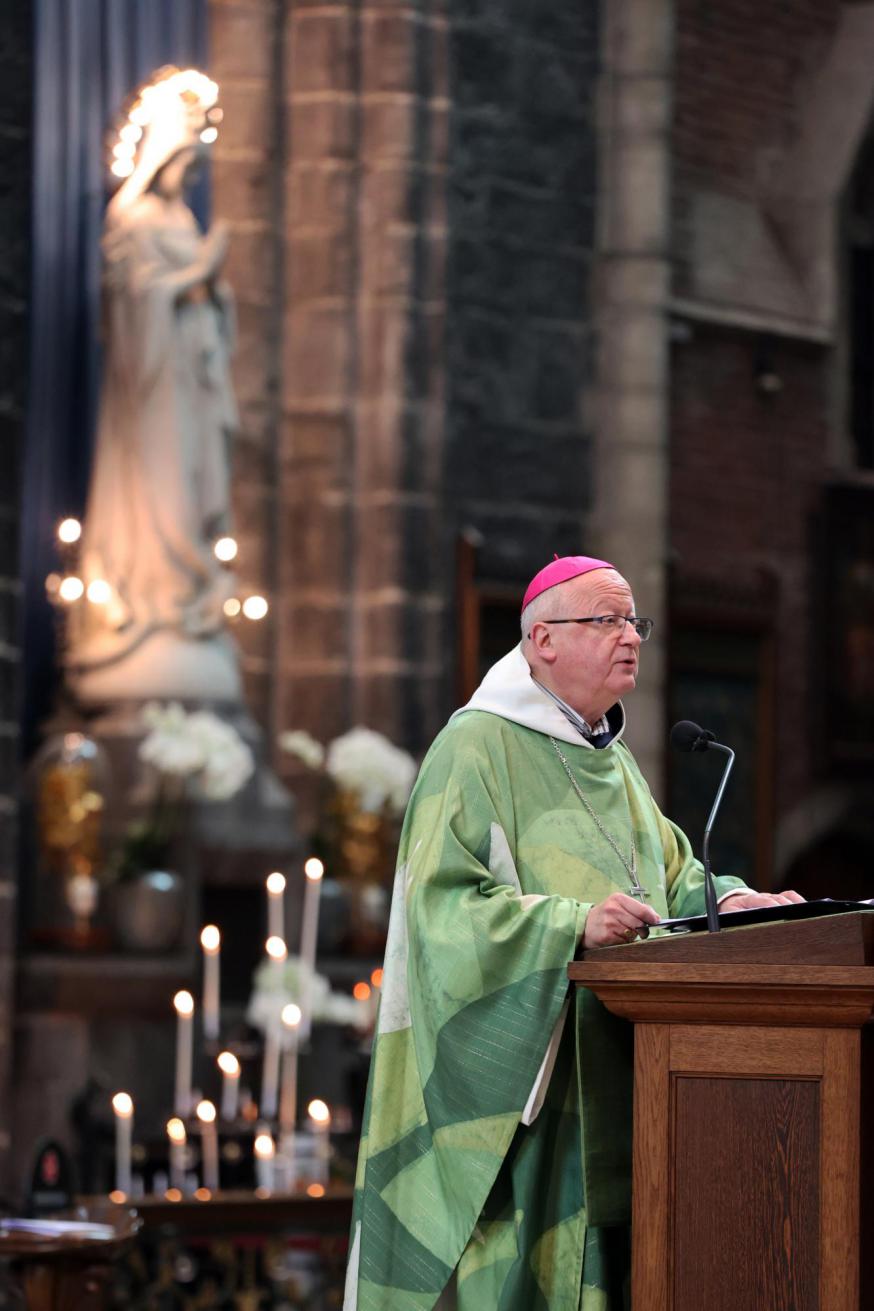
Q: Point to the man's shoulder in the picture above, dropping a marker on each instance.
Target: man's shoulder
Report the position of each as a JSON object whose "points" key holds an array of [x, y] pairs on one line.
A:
{"points": [[480, 729], [471, 739]]}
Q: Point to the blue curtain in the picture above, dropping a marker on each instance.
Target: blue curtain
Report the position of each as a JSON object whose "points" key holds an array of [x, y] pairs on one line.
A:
{"points": [[89, 56]]}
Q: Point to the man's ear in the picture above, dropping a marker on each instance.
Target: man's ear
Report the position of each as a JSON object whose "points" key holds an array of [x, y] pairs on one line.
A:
{"points": [[541, 641]]}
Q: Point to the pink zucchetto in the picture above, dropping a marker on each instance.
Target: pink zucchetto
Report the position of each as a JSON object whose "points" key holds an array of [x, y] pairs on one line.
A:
{"points": [[560, 570]]}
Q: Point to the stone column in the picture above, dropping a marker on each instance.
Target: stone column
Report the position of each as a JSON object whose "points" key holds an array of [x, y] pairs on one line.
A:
{"points": [[361, 367], [15, 117], [631, 317]]}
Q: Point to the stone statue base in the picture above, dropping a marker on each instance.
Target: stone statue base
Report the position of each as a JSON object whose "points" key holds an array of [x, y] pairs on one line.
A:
{"points": [[164, 667]]}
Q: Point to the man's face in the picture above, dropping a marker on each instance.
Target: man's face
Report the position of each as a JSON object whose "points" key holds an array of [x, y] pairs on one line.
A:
{"points": [[592, 666]]}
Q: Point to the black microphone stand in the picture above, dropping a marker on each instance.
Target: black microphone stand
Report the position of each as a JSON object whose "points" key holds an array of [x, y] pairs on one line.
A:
{"points": [[713, 925]]}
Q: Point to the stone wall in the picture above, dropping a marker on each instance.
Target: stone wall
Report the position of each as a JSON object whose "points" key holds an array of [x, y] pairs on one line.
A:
{"points": [[331, 169], [752, 385], [15, 101], [519, 345]]}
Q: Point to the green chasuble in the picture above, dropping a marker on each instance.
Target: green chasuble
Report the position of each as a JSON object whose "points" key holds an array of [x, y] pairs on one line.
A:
{"points": [[495, 1151]]}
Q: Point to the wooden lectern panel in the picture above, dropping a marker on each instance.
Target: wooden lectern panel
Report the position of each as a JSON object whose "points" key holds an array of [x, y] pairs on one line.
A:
{"points": [[752, 1132]]}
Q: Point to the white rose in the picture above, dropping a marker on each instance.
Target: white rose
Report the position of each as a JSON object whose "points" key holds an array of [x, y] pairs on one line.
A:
{"points": [[306, 748]]}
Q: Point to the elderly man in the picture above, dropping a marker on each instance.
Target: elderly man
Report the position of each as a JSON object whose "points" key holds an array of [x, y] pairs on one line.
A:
{"points": [[494, 1163]]}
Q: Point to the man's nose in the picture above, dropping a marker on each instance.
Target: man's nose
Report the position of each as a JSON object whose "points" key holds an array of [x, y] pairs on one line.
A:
{"points": [[630, 635]]}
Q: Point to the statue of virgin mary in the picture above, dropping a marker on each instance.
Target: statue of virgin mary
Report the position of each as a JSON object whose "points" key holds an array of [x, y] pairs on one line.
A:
{"points": [[159, 492]]}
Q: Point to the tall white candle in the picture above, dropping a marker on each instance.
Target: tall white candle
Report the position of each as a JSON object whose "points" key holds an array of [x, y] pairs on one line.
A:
{"points": [[184, 1003], [276, 950], [288, 1100], [208, 1145], [265, 1154], [314, 870], [210, 941], [230, 1068], [320, 1127], [122, 1105], [276, 905], [178, 1138]]}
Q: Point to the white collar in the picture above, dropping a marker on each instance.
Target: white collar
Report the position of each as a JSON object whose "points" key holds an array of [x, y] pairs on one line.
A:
{"points": [[509, 690]]}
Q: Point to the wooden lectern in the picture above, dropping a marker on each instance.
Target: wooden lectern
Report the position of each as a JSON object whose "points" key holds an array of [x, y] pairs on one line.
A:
{"points": [[753, 1096]]}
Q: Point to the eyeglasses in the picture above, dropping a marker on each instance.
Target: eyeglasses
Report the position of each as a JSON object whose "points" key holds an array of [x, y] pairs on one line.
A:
{"points": [[612, 623]]}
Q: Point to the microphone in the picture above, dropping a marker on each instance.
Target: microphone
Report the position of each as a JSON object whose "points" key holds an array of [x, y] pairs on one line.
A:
{"points": [[686, 736]]}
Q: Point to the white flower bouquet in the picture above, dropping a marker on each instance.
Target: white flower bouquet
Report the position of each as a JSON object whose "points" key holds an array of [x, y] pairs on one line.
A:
{"points": [[362, 762], [192, 755], [275, 986]]}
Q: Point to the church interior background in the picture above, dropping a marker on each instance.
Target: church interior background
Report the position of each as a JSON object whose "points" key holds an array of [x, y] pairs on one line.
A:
{"points": [[469, 282]]}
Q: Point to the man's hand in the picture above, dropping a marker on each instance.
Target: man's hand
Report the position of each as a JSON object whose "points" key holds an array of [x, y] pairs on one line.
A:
{"points": [[619, 918], [750, 900]]}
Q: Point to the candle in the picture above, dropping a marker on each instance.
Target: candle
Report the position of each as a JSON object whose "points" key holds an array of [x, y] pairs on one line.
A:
{"points": [[276, 950], [122, 1105], [291, 1015], [320, 1126], [314, 870], [265, 1152], [230, 1068], [276, 905], [184, 1003], [209, 1145], [210, 941], [178, 1137]]}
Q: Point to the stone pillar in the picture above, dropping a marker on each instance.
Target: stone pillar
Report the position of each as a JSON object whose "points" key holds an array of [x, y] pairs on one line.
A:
{"points": [[15, 117], [361, 368], [631, 317]]}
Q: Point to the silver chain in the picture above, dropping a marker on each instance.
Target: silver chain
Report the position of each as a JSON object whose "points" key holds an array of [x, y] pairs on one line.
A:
{"points": [[631, 870]]}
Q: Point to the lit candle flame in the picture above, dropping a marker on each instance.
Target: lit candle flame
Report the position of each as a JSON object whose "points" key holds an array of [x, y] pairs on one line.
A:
{"points": [[276, 948], [176, 1130], [122, 1104], [291, 1015], [228, 1063], [275, 884], [69, 530], [210, 939], [265, 1148], [314, 869], [361, 991], [255, 607], [205, 1112], [71, 588], [318, 1112], [184, 1003], [226, 547]]}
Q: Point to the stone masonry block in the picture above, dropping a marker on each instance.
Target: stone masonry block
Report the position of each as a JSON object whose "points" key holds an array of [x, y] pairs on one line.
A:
{"points": [[323, 128], [388, 51], [251, 362], [315, 630], [388, 127], [316, 354], [383, 335], [241, 188], [320, 194], [239, 41], [396, 544], [316, 701], [322, 50], [316, 447], [317, 544], [318, 265], [249, 266], [248, 111]]}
